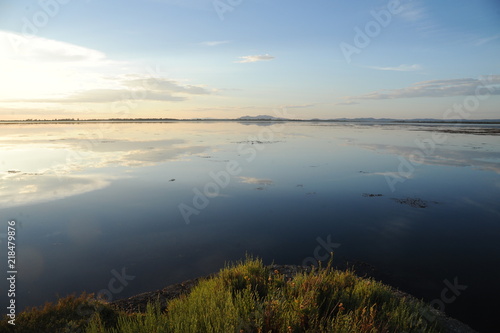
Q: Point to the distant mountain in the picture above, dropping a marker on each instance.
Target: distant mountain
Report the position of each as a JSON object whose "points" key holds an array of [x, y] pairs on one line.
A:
{"points": [[260, 117], [418, 120]]}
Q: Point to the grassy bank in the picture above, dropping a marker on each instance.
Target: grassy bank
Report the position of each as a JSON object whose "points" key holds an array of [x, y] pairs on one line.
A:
{"points": [[248, 297]]}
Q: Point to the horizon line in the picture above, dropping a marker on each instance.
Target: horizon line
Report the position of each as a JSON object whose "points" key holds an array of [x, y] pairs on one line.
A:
{"points": [[251, 118]]}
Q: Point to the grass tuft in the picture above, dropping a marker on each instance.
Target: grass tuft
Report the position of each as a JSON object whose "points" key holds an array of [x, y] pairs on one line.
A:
{"points": [[68, 314], [249, 297]]}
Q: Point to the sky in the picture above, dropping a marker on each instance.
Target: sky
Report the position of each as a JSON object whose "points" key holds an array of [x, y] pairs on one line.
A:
{"points": [[187, 59]]}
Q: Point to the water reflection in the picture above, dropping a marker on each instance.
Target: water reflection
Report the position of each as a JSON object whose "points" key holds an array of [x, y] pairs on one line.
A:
{"points": [[77, 159], [93, 198], [23, 189], [463, 157]]}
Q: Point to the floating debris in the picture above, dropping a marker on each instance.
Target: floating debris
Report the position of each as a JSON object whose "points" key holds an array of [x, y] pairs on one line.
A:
{"points": [[258, 142], [219, 161], [370, 195], [475, 131], [412, 202]]}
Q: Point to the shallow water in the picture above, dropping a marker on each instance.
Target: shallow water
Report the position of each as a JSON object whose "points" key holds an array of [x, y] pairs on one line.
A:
{"points": [[119, 209]]}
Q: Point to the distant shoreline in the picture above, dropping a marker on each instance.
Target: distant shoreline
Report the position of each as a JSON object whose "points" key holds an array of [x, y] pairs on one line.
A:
{"points": [[258, 120]]}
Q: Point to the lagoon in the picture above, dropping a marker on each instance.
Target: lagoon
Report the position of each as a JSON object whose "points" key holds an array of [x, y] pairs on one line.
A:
{"points": [[123, 208]]}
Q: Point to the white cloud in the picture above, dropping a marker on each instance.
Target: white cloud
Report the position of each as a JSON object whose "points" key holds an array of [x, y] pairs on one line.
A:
{"points": [[439, 88], [37, 67], [46, 50], [215, 43], [400, 68], [298, 106], [255, 58], [40, 70], [138, 88], [110, 95]]}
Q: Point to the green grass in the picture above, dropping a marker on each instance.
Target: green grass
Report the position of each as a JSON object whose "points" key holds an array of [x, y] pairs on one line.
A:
{"points": [[69, 314], [248, 297]]}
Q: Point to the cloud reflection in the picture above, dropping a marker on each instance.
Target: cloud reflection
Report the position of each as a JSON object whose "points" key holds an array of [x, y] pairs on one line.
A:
{"points": [[483, 160], [257, 181], [45, 163], [22, 189]]}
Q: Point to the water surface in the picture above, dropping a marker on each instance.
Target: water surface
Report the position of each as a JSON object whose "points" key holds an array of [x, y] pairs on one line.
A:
{"points": [[158, 203]]}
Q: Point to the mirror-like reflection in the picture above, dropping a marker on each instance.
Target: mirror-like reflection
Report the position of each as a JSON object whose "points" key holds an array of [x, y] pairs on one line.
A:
{"points": [[163, 202]]}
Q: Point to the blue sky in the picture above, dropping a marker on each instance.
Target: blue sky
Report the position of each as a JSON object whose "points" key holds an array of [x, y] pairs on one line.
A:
{"points": [[230, 58]]}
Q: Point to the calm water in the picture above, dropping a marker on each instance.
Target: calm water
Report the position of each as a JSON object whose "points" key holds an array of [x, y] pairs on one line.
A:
{"points": [[127, 208]]}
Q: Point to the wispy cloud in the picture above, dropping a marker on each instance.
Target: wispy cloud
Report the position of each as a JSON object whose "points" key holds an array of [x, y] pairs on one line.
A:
{"points": [[298, 106], [137, 88], [47, 50], [420, 18], [486, 40], [205, 5], [215, 43], [413, 12], [437, 88], [400, 68], [163, 84], [108, 96], [347, 103], [255, 58]]}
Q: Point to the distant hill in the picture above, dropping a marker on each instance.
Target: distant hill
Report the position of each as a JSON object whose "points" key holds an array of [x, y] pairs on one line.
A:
{"points": [[260, 117], [371, 120]]}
